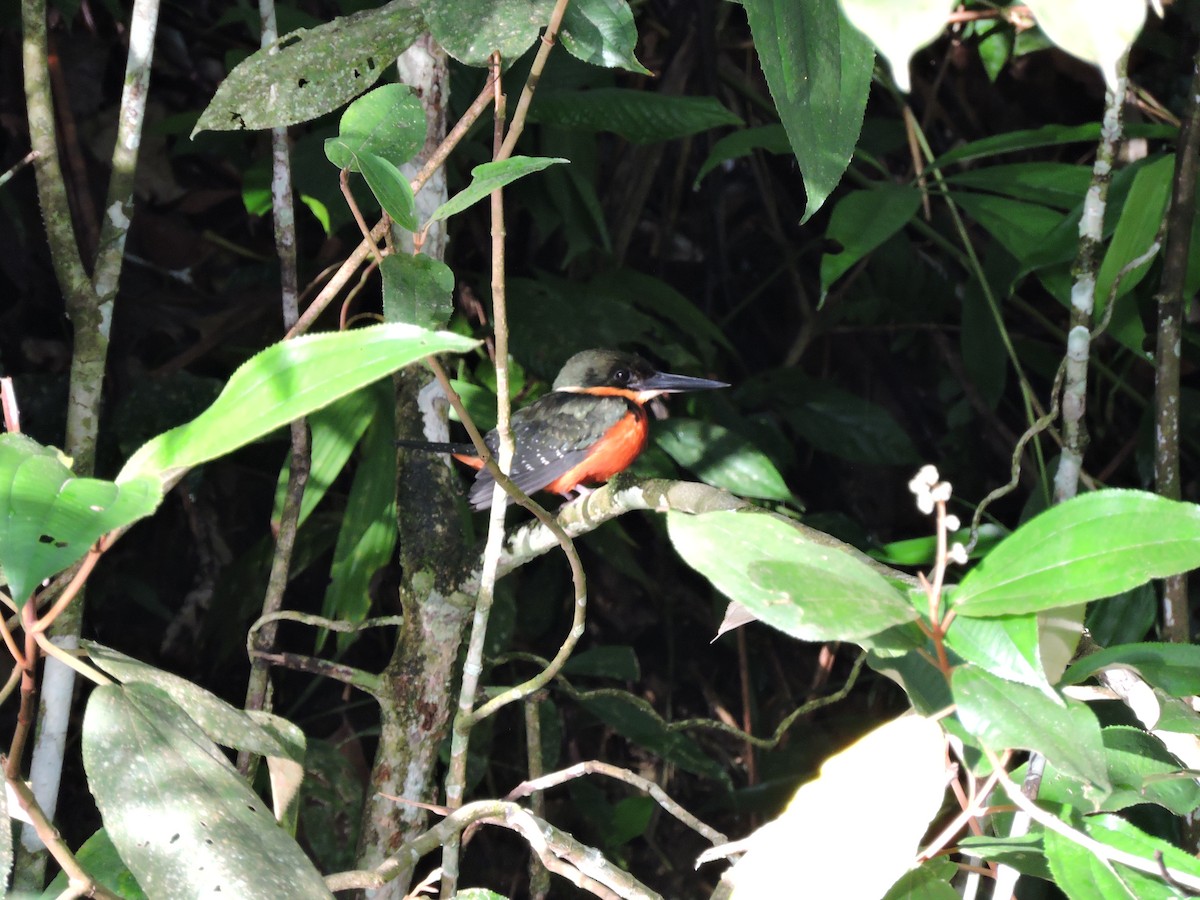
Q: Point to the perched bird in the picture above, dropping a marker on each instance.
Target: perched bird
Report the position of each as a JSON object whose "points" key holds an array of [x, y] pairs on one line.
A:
{"points": [[591, 426]]}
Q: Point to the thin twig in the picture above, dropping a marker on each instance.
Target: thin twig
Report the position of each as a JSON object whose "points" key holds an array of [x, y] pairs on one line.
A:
{"points": [[80, 880], [596, 767]]}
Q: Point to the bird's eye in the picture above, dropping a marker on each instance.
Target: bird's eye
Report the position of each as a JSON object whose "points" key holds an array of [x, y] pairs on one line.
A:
{"points": [[622, 376]]}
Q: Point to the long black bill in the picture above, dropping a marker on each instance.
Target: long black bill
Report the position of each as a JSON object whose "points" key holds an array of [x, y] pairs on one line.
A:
{"points": [[667, 383]]}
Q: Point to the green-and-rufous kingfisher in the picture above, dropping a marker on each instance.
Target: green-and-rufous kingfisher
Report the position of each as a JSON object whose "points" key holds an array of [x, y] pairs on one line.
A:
{"points": [[592, 425]]}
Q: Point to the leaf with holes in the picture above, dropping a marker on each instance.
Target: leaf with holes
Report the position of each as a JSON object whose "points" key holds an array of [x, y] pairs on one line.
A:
{"points": [[311, 71], [177, 811], [49, 518]]}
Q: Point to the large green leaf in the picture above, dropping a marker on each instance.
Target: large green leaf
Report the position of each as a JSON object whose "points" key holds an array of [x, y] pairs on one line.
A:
{"points": [[1093, 546], [49, 518], [602, 32], [818, 68], [1045, 136], [722, 458], [638, 116], [1021, 228], [310, 72], [1005, 715], [1061, 185], [491, 177], [808, 590], [1006, 646], [368, 533], [1081, 874], [861, 221], [1139, 224], [1140, 770], [181, 817], [388, 122], [282, 383], [1173, 667], [470, 30], [898, 30]]}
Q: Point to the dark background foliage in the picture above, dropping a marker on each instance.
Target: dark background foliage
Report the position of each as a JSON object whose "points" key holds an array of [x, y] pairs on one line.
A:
{"points": [[846, 394]]}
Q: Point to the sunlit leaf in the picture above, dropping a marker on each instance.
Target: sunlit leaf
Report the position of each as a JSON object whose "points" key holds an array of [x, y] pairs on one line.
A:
{"points": [[284, 382], [176, 809], [818, 68], [49, 518], [1006, 715], [808, 590], [299, 78], [1093, 546]]}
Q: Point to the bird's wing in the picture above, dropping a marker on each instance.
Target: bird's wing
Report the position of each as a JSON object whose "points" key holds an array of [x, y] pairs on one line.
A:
{"points": [[552, 436]]}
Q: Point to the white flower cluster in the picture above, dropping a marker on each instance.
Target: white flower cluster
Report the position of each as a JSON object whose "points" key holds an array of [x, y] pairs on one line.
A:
{"points": [[930, 492]]}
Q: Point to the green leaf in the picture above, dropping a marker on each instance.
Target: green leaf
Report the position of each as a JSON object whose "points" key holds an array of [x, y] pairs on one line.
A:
{"points": [[1023, 853], [817, 822], [847, 426], [49, 519], [390, 188], [619, 662], [491, 177], [1173, 667], [1093, 546], [1141, 218], [929, 881], [1046, 136], [898, 31], [227, 725], [388, 122], [310, 72], [1006, 646], [861, 221], [335, 431], [1103, 40], [1006, 715], [478, 894], [1061, 185], [636, 720], [637, 116], [1081, 874], [1020, 228], [1142, 771], [818, 68], [417, 290], [722, 458], [1116, 832], [284, 382], [602, 32], [176, 810], [808, 590], [100, 860], [368, 534], [470, 30], [772, 138]]}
